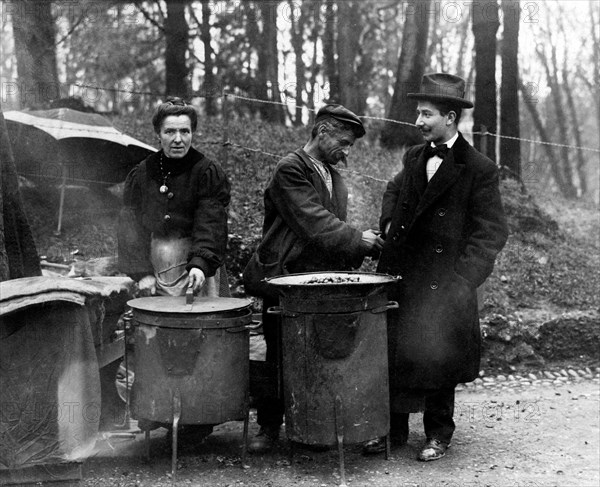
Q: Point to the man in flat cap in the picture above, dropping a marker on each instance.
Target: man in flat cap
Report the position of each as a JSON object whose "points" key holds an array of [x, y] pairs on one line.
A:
{"points": [[304, 230], [444, 225]]}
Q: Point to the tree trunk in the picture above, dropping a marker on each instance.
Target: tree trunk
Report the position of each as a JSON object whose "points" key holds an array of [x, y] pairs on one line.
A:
{"points": [[576, 133], [555, 168], [18, 254], [595, 29], [411, 66], [551, 68], [176, 37], [268, 65], [298, 25], [462, 49], [35, 47], [347, 48], [315, 93], [510, 149], [329, 57], [485, 26], [209, 85]]}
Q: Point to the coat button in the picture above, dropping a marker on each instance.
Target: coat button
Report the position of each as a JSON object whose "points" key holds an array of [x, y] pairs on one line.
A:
{"points": [[433, 285], [170, 195], [442, 211], [402, 227], [439, 249], [167, 218], [396, 237]]}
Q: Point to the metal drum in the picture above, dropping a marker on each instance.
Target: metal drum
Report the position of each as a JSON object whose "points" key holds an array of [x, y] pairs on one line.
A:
{"points": [[191, 362], [190, 359], [335, 361]]}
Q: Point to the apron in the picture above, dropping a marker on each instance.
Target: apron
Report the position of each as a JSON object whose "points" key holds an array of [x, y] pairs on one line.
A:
{"points": [[169, 257]]}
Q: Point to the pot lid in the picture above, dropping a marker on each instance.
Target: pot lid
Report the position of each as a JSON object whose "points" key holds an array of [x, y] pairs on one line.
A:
{"points": [[177, 304], [317, 279]]}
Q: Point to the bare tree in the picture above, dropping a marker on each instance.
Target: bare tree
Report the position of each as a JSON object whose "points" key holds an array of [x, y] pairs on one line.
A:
{"points": [[298, 25], [176, 38], [268, 63], [35, 47], [329, 57], [18, 254], [549, 62], [347, 45], [575, 124], [485, 26], [411, 66], [565, 187], [209, 85], [510, 149]]}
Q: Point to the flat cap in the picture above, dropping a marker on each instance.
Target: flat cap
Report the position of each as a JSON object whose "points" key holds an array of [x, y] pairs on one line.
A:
{"points": [[344, 115]]}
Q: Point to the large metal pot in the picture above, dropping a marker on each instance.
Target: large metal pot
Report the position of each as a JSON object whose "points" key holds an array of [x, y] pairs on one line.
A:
{"points": [[191, 359], [335, 362]]}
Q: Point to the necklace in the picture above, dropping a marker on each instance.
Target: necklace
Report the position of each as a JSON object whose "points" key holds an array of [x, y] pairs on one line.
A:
{"points": [[164, 188]]}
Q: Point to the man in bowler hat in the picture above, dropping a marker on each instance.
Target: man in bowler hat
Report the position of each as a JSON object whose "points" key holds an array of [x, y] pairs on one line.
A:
{"points": [[305, 230], [444, 225]]}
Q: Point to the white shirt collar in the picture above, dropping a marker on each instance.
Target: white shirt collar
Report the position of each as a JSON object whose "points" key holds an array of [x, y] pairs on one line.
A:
{"points": [[450, 142]]}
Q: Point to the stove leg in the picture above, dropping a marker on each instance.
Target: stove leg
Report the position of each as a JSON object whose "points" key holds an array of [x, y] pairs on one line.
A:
{"points": [[147, 445], [388, 446], [291, 451], [245, 436], [339, 428], [176, 418]]}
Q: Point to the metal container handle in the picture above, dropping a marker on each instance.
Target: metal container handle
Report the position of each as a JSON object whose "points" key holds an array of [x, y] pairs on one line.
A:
{"points": [[275, 310], [388, 306], [253, 325], [278, 310]]}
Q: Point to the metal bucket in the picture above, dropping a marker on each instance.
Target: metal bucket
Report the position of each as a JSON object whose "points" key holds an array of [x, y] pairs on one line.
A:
{"points": [[191, 358], [335, 362]]}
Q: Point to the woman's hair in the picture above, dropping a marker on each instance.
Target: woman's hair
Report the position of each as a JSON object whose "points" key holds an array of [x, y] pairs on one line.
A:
{"points": [[174, 106]]}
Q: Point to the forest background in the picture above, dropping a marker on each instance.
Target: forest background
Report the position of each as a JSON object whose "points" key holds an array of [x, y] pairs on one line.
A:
{"points": [[258, 70]]}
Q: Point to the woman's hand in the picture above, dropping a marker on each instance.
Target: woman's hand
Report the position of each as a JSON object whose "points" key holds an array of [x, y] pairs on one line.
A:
{"points": [[147, 286], [197, 279]]}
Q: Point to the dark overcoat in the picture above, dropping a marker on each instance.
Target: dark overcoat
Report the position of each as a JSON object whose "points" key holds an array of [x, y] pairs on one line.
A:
{"points": [[305, 227], [195, 206], [443, 240]]}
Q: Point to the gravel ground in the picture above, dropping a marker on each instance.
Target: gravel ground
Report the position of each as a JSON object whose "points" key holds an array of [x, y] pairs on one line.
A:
{"points": [[537, 430]]}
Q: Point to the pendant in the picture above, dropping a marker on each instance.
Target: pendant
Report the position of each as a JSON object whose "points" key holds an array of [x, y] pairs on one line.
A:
{"points": [[163, 189]]}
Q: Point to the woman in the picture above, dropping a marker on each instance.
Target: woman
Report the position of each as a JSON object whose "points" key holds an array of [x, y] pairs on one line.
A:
{"points": [[173, 226]]}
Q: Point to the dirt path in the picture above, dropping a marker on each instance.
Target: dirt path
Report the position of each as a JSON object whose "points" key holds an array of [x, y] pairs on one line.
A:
{"points": [[536, 435]]}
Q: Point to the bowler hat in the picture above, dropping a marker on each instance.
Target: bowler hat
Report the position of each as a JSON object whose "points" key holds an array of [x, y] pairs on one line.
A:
{"points": [[344, 115], [442, 87]]}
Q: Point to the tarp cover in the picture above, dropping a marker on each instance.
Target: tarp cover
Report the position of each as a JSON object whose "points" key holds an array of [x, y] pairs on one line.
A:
{"points": [[49, 378]]}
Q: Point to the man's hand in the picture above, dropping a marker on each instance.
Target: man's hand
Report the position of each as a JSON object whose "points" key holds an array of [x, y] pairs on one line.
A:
{"points": [[147, 286], [197, 279], [371, 242]]}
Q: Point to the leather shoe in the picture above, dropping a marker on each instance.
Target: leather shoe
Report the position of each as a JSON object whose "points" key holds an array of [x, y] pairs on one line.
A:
{"points": [[377, 445], [434, 449], [264, 440]]}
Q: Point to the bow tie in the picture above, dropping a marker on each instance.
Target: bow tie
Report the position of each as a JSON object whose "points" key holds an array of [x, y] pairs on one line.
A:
{"points": [[439, 150]]}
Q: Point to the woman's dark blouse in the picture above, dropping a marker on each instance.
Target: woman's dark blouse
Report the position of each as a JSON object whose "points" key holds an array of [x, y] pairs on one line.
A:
{"points": [[195, 206]]}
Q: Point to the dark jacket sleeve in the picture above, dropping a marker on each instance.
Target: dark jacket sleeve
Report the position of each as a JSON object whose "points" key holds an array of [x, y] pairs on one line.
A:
{"points": [[133, 240], [209, 232], [301, 207], [487, 228], [390, 198], [391, 195]]}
